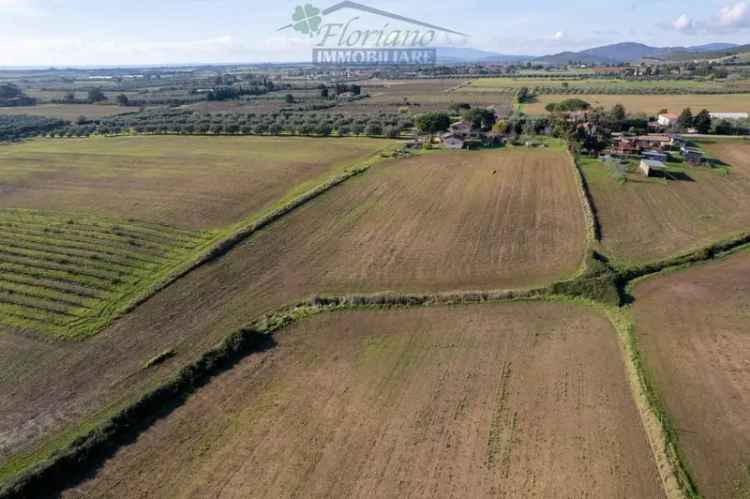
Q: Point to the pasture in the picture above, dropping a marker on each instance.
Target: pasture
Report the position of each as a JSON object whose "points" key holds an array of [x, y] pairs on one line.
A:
{"points": [[434, 223], [693, 333], [192, 182], [526, 399], [69, 112], [651, 104], [647, 219]]}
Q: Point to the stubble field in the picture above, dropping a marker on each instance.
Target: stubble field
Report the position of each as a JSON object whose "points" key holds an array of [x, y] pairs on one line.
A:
{"points": [[514, 400], [693, 331], [435, 223]]}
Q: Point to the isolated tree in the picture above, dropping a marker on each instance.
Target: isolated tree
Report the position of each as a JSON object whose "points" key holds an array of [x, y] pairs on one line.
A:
{"points": [[432, 123], [69, 98], [289, 99], [123, 100], [324, 92], [685, 120], [96, 95], [702, 121], [480, 118], [618, 113]]}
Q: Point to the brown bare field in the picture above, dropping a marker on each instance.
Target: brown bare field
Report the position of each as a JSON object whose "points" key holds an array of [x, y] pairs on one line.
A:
{"points": [[195, 182], [438, 222], [649, 219], [652, 104], [693, 331], [731, 152], [69, 112], [518, 400]]}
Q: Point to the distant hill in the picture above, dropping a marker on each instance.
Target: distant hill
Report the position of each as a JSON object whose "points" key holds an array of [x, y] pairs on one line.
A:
{"points": [[453, 55], [742, 51], [628, 52]]}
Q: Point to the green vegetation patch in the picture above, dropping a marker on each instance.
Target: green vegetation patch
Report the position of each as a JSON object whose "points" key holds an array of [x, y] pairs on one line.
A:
{"points": [[68, 275]]}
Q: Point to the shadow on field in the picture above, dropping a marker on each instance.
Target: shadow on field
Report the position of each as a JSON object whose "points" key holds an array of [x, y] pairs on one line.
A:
{"points": [[680, 176], [94, 450]]}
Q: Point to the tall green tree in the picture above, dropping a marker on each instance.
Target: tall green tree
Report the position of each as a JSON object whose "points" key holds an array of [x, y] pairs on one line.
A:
{"points": [[685, 120], [702, 121], [432, 123]]}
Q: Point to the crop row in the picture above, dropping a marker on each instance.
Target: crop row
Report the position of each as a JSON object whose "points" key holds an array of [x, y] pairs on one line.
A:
{"points": [[57, 270]]}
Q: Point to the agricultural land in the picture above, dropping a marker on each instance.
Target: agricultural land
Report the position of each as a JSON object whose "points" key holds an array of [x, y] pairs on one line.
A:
{"points": [[692, 327], [470, 401], [348, 240]]}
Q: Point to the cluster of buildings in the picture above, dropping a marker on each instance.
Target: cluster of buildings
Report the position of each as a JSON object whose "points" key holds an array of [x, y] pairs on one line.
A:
{"points": [[654, 150], [464, 135]]}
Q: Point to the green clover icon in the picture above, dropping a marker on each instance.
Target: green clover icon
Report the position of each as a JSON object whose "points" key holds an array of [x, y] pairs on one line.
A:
{"points": [[307, 20]]}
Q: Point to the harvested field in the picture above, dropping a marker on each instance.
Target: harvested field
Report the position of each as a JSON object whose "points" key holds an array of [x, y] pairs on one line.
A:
{"points": [[693, 332], [61, 275], [195, 182], [519, 400], [647, 219], [652, 104], [69, 112], [438, 222]]}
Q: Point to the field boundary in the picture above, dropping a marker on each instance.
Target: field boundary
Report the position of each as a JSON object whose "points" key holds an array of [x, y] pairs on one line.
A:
{"points": [[656, 422]]}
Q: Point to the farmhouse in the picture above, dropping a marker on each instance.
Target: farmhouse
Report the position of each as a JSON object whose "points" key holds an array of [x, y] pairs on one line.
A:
{"points": [[667, 119], [453, 141], [636, 145], [651, 168]]}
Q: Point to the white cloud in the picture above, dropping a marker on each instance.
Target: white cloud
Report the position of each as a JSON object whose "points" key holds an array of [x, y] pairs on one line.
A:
{"points": [[683, 23], [728, 20], [734, 16], [559, 35]]}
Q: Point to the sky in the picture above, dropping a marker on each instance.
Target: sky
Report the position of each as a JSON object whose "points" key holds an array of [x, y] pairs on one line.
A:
{"points": [[143, 32]]}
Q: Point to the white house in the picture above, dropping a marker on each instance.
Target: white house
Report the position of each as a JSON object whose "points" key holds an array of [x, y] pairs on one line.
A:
{"points": [[729, 116], [668, 119]]}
